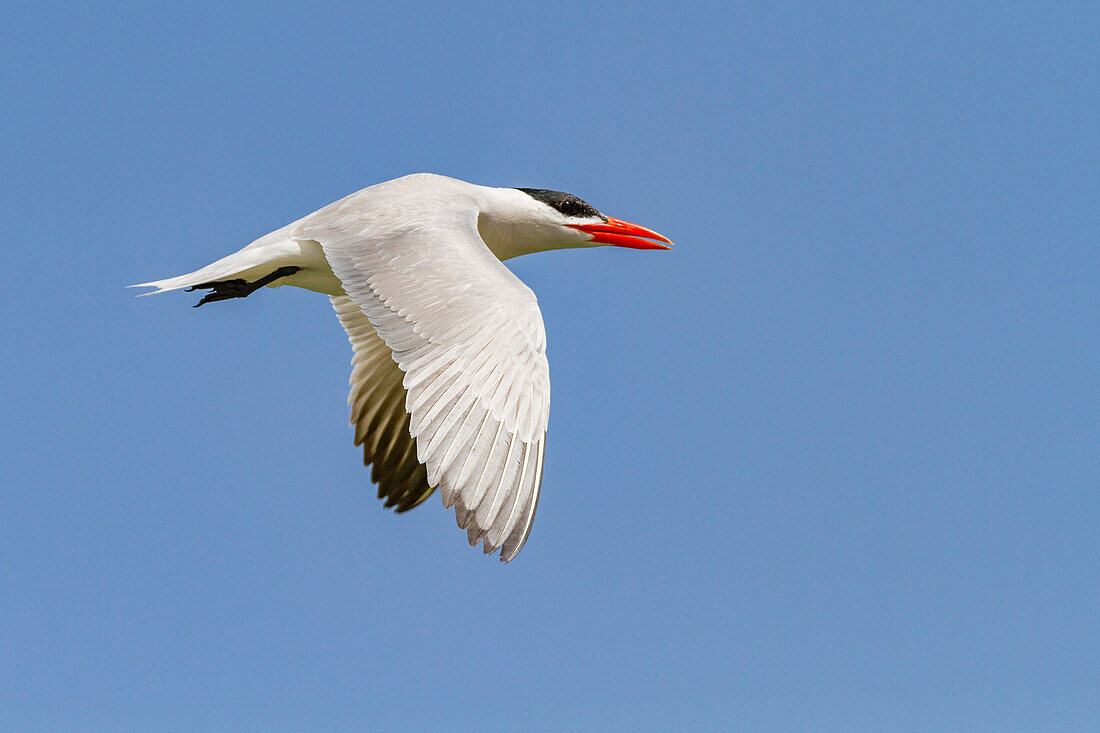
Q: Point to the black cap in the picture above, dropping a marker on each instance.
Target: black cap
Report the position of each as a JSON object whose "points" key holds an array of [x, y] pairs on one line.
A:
{"points": [[566, 203]]}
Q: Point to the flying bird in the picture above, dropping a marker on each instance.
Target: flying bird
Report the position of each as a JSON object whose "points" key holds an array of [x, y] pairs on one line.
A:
{"points": [[450, 386]]}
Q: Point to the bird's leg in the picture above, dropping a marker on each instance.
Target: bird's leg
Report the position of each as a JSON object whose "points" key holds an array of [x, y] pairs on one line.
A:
{"points": [[238, 288]]}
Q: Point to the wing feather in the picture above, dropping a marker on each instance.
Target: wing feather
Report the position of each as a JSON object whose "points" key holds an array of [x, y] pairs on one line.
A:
{"points": [[450, 383], [378, 413]]}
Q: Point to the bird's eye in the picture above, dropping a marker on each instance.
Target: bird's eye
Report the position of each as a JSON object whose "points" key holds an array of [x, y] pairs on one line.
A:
{"points": [[575, 207]]}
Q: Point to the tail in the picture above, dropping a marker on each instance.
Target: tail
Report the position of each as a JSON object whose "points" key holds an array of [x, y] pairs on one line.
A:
{"points": [[250, 263]]}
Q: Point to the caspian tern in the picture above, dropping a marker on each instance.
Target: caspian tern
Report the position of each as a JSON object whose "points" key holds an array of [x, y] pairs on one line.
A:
{"points": [[450, 386]]}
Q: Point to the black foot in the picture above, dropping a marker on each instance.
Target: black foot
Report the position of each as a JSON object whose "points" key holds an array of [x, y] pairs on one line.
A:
{"points": [[238, 288]]}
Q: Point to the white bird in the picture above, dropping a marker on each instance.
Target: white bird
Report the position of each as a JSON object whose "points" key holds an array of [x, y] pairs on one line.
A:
{"points": [[450, 386]]}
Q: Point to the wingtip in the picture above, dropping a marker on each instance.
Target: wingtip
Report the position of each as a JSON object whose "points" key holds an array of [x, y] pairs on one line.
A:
{"points": [[507, 554]]}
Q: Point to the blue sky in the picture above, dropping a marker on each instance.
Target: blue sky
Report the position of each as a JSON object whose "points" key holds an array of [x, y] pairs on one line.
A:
{"points": [[831, 464]]}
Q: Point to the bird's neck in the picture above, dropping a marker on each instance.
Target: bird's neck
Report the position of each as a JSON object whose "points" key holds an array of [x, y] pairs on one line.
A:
{"points": [[506, 225]]}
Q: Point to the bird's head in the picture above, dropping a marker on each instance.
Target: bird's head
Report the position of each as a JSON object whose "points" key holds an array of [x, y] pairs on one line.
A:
{"points": [[524, 220]]}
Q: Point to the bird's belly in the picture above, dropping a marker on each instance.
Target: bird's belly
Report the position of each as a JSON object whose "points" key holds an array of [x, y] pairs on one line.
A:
{"points": [[315, 273], [315, 279]]}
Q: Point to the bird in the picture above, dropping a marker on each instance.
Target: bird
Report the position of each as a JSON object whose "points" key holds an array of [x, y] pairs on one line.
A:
{"points": [[450, 384]]}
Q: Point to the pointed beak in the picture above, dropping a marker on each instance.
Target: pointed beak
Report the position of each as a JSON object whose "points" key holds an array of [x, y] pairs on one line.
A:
{"points": [[623, 234]]}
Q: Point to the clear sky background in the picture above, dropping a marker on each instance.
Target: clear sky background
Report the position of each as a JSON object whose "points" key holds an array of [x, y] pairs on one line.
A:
{"points": [[833, 463]]}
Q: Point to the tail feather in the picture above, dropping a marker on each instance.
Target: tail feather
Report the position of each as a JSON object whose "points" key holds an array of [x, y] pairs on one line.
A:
{"points": [[269, 253], [248, 264]]}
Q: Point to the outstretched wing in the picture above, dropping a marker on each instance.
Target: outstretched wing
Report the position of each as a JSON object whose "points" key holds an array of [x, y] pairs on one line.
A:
{"points": [[469, 338]]}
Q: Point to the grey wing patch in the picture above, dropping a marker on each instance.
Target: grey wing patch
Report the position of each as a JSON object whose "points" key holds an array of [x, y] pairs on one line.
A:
{"points": [[377, 401]]}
